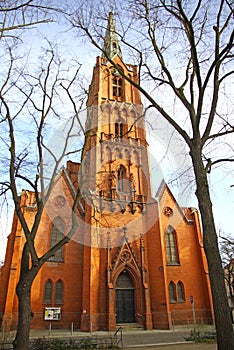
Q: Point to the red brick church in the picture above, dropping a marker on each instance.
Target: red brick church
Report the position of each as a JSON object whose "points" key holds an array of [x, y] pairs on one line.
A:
{"points": [[133, 259]]}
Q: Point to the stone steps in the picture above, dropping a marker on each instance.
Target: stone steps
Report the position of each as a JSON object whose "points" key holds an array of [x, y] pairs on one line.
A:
{"points": [[130, 326]]}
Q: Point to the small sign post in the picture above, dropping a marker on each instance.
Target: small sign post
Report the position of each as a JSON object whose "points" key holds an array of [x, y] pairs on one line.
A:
{"points": [[193, 310]]}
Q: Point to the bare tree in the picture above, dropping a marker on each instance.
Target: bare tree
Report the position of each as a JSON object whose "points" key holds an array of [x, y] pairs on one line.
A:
{"points": [[18, 15], [30, 101], [185, 52]]}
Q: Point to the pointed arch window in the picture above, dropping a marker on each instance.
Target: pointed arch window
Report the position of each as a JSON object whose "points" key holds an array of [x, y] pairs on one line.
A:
{"points": [[180, 292], [172, 292], [48, 292], [171, 247], [59, 292], [121, 179], [57, 233]]}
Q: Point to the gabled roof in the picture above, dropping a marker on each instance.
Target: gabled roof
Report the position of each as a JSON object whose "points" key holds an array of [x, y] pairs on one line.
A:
{"points": [[184, 211], [125, 255]]}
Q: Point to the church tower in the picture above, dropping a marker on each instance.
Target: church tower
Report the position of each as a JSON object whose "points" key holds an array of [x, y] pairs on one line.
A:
{"points": [[116, 186], [134, 257]]}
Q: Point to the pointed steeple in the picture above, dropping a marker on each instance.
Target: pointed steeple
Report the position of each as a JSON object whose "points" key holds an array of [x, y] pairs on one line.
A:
{"points": [[111, 41]]}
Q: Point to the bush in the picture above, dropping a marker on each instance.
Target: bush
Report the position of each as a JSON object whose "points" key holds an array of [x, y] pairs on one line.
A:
{"points": [[71, 344], [201, 337]]}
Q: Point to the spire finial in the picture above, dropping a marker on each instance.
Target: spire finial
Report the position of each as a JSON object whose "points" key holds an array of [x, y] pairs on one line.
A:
{"points": [[111, 41]]}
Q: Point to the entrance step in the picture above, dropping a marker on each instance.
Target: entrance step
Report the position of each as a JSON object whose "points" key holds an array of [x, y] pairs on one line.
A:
{"points": [[130, 326]]}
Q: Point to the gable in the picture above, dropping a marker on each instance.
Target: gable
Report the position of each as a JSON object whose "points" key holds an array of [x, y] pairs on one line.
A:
{"points": [[169, 206]]}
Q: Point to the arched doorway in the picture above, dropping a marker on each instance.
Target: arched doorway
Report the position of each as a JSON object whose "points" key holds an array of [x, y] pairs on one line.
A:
{"points": [[125, 308]]}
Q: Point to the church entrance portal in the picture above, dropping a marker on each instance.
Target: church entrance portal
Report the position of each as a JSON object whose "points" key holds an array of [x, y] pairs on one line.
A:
{"points": [[125, 308]]}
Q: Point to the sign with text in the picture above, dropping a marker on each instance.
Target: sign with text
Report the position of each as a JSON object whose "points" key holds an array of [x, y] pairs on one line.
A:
{"points": [[52, 313]]}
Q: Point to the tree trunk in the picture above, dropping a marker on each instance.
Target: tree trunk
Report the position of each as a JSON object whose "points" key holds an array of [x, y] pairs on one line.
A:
{"points": [[23, 290], [224, 330]]}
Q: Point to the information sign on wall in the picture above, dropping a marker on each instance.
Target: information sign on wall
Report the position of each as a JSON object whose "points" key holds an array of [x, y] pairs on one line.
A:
{"points": [[52, 313]]}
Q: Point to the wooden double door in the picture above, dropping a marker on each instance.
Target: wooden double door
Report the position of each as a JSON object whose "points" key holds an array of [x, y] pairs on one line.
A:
{"points": [[125, 306]]}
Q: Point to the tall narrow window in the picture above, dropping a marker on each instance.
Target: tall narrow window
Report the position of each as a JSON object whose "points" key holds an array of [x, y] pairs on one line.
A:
{"points": [[56, 236], [172, 292], [119, 131], [116, 130], [48, 292], [59, 292], [117, 87], [171, 247], [180, 292], [121, 178]]}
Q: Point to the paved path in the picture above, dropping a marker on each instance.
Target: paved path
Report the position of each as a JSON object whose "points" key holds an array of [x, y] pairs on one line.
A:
{"points": [[174, 340], [139, 339], [144, 340]]}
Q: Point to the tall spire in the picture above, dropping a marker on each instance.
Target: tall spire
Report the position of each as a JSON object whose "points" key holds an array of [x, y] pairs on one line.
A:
{"points": [[111, 41]]}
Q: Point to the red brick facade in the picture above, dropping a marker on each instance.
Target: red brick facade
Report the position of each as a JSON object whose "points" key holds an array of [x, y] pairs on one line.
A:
{"points": [[133, 259]]}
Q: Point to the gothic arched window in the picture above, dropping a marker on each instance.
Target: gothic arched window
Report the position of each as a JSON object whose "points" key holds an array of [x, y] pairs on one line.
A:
{"points": [[121, 179], [180, 292], [59, 292], [48, 292], [171, 246], [57, 232], [172, 292]]}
